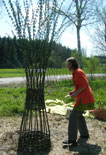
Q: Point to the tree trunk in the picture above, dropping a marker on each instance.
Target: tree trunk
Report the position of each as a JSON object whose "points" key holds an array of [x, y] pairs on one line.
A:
{"points": [[105, 32], [79, 46]]}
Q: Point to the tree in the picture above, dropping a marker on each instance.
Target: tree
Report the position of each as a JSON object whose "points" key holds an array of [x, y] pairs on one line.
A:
{"points": [[8, 54], [92, 64], [84, 58], [99, 37], [11, 56], [58, 57], [80, 13]]}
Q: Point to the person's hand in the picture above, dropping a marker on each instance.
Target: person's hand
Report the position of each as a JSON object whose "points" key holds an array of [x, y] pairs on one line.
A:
{"points": [[70, 93]]}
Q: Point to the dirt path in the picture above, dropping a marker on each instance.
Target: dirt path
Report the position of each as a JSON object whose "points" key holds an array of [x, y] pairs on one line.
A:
{"points": [[96, 145], [21, 80]]}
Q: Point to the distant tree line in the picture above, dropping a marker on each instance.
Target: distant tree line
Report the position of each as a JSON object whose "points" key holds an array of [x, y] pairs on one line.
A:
{"points": [[11, 56], [102, 59]]}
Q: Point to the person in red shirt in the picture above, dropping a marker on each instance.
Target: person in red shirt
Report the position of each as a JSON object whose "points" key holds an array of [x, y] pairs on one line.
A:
{"points": [[84, 101]]}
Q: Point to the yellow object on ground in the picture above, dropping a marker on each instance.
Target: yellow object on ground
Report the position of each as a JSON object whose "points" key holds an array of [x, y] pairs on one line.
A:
{"points": [[57, 106], [60, 107]]}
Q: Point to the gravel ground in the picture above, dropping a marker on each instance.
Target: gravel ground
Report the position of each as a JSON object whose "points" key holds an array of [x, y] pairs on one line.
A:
{"points": [[95, 145]]}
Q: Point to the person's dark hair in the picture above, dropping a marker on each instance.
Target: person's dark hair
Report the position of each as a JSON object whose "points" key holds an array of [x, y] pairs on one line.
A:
{"points": [[73, 61]]}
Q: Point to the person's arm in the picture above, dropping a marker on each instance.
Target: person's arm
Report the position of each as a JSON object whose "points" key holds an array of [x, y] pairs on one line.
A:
{"points": [[70, 93], [76, 93]]}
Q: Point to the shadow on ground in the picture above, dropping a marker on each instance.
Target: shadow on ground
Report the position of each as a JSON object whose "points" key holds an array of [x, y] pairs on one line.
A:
{"points": [[28, 145], [34, 152], [84, 148]]}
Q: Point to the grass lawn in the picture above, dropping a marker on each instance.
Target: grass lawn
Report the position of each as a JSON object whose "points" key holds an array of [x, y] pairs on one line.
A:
{"points": [[12, 73], [50, 71], [12, 98], [21, 72]]}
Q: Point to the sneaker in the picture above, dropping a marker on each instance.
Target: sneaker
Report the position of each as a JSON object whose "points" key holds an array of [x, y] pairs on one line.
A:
{"points": [[69, 142]]}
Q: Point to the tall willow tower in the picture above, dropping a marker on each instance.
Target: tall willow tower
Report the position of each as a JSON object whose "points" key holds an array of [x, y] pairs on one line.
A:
{"points": [[34, 130], [35, 29]]}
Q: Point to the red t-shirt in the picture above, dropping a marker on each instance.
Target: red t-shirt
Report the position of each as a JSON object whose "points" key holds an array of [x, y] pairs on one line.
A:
{"points": [[80, 81]]}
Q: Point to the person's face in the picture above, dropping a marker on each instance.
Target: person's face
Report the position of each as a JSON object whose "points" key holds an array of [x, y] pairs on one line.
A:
{"points": [[69, 66]]}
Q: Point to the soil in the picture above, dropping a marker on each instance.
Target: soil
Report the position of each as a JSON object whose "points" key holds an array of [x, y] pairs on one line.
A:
{"points": [[95, 145]]}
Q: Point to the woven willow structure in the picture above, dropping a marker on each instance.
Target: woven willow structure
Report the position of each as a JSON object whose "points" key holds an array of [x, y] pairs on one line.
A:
{"points": [[35, 32], [34, 131]]}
